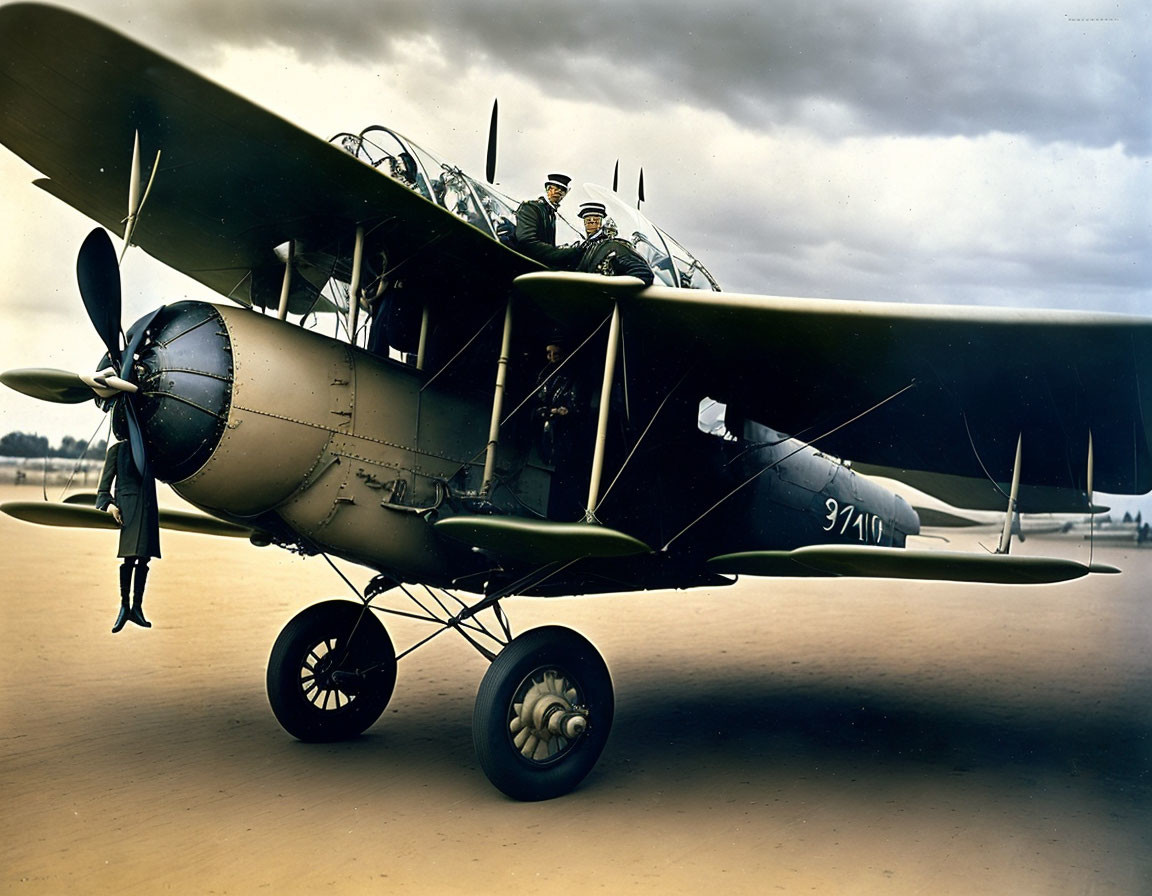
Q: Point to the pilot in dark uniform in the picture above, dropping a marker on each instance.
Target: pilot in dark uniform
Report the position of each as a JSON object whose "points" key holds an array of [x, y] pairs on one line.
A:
{"points": [[604, 252], [536, 227], [132, 503], [561, 410]]}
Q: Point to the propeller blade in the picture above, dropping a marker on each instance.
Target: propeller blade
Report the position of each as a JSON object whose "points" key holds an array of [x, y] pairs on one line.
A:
{"points": [[135, 437], [46, 384], [490, 170], [616, 177], [136, 338], [136, 440], [99, 279]]}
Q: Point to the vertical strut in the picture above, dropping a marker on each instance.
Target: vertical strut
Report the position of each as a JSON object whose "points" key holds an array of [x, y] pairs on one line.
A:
{"points": [[423, 344], [1091, 513], [605, 406], [354, 286], [1006, 535], [286, 286], [498, 400]]}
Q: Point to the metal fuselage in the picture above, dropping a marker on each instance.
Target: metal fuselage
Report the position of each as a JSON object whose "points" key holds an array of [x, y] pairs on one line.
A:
{"points": [[327, 447]]}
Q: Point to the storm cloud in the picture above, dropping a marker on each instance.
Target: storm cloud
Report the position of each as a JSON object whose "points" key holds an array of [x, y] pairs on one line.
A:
{"points": [[955, 152], [1050, 72]]}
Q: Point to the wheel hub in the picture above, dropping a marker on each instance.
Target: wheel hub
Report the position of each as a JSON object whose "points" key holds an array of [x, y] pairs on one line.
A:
{"points": [[545, 720], [323, 682]]}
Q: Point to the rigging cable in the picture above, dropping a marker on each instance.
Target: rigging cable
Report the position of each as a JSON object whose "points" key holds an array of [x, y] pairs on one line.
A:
{"points": [[80, 460], [781, 460], [463, 349], [655, 414]]}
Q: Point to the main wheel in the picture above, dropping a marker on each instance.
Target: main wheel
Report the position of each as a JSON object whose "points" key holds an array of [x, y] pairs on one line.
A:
{"points": [[543, 713], [331, 672]]}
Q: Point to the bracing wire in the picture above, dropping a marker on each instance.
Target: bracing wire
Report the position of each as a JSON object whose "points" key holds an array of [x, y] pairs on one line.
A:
{"points": [[781, 460], [979, 459], [635, 447], [535, 389], [463, 349], [559, 367], [104, 421]]}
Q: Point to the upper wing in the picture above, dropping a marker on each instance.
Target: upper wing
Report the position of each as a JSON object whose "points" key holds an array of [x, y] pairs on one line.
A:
{"points": [[933, 388], [234, 180]]}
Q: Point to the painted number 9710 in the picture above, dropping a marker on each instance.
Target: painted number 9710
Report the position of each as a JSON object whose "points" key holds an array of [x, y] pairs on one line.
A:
{"points": [[868, 527]]}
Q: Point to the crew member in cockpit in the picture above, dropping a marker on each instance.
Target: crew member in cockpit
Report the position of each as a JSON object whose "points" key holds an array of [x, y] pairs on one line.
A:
{"points": [[604, 252], [536, 227]]}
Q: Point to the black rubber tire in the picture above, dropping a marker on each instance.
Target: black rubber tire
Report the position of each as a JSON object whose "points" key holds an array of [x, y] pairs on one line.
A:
{"points": [[572, 656], [305, 703]]}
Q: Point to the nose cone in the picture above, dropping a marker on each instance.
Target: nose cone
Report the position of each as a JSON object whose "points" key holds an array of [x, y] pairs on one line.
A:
{"points": [[185, 375]]}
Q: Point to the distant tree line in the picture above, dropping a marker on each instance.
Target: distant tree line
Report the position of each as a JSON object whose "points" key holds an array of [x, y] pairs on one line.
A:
{"points": [[22, 444]]}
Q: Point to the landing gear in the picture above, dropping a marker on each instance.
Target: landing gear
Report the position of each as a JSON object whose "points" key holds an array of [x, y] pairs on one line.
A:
{"points": [[331, 672], [543, 712]]}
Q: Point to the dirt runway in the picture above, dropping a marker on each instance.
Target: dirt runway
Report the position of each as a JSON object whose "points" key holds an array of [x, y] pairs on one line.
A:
{"points": [[777, 736]]}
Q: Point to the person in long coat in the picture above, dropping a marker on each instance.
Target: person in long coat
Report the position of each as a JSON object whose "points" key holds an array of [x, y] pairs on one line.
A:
{"points": [[536, 227], [131, 499]]}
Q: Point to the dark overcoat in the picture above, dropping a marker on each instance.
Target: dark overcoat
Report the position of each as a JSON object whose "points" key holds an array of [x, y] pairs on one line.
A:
{"points": [[536, 236], [614, 257], [135, 495]]}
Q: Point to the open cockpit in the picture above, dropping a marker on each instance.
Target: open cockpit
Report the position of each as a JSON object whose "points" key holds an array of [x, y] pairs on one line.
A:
{"points": [[437, 181]]}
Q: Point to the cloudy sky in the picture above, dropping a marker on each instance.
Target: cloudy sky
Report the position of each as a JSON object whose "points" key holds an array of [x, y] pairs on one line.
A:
{"points": [[963, 151]]}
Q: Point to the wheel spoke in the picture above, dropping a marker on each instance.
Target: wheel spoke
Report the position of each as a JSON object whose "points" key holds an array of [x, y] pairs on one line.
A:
{"points": [[311, 649]]}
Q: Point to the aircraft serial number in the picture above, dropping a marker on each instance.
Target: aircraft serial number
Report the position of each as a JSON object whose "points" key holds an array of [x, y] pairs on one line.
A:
{"points": [[867, 526]]}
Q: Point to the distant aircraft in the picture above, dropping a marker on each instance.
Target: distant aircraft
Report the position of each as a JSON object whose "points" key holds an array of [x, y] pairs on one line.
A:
{"points": [[432, 473]]}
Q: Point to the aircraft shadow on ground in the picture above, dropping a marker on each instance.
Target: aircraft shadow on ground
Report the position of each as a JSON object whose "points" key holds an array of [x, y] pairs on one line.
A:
{"points": [[748, 725], [748, 728]]}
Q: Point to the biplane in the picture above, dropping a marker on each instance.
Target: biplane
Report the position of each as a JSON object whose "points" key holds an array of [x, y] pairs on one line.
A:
{"points": [[366, 389]]}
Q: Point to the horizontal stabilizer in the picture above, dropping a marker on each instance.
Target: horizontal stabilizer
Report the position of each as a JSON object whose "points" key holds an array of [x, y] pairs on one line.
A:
{"points": [[79, 516], [932, 518], [540, 541], [895, 563]]}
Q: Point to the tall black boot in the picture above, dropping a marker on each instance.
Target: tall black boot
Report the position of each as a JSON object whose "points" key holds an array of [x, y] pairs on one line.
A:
{"points": [[125, 587], [137, 612]]}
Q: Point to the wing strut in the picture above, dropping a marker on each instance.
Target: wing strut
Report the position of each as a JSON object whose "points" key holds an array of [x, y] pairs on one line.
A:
{"points": [[497, 400], [605, 407], [354, 286], [422, 345], [135, 200], [1092, 516], [1006, 534], [286, 286]]}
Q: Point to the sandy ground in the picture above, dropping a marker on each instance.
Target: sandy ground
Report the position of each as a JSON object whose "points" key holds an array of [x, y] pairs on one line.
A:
{"points": [[777, 736]]}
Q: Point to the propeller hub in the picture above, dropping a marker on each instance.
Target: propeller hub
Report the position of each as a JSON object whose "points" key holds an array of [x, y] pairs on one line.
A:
{"points": [[179, 385]]}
